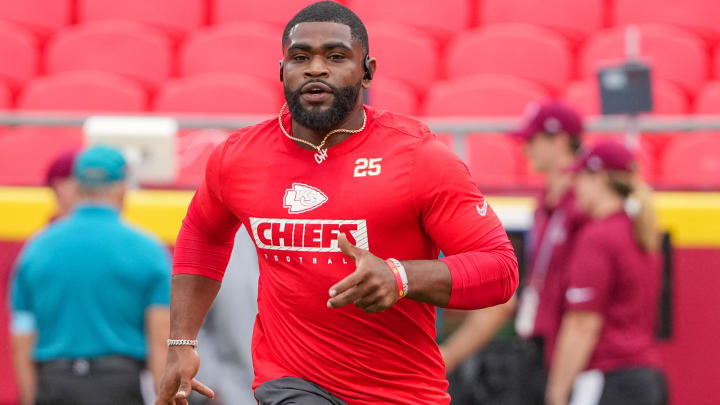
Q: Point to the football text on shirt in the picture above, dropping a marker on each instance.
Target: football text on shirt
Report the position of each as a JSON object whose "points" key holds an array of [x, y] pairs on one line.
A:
{"points": [[307, 235]]}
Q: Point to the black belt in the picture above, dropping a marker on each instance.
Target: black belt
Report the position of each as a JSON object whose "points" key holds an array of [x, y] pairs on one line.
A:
{"points": [[84, 366]]}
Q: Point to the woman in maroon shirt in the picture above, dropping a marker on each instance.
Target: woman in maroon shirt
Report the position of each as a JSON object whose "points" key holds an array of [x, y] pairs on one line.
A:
{"points": [[605, 351]]}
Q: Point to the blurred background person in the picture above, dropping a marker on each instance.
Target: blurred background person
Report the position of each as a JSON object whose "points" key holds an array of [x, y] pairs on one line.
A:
{"points": [[60, 180], [90, 297], [611, 296], [551, 133]]}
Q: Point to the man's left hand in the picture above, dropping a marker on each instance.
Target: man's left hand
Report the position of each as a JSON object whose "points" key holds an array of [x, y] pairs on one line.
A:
{"points": [[372, 287]]}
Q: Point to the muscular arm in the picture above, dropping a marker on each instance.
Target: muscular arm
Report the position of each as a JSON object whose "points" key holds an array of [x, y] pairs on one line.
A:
{"points": [[190, 300], [577, 339]]}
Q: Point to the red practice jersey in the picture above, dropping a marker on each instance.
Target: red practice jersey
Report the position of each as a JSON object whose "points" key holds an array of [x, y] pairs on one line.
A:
{"points": [[393, 189]]}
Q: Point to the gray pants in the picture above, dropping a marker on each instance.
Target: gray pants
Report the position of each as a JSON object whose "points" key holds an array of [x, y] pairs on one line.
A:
{"points": [[294, 391], [89, 382]]}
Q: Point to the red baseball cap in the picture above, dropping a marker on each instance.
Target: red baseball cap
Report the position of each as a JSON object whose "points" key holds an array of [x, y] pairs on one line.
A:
{"points": [[550, 117], [61, 167], [605, 156]]}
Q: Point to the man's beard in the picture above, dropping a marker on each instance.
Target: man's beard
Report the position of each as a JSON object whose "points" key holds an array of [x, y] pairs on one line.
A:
{"points": [[344, 100]]}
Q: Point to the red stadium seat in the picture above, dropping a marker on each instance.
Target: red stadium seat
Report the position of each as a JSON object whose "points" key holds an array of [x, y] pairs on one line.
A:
{"points": [[83, 91], [20, 47], [716, 63], [176, 17], [194, 149], [247, 48], [219, 93], [25, 153], [708, 100], [574, 19], [692, 161], [393, 95], [486, 95], [674, 54], [120, 47], [441, 19], [699, 16], [404, 53], [42, 17], [493, 160], [277, 12], [524, 51], [667, 97], [5, 97]]}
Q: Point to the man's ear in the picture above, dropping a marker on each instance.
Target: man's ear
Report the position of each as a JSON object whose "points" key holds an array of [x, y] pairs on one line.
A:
{"points": [[367, 79]]}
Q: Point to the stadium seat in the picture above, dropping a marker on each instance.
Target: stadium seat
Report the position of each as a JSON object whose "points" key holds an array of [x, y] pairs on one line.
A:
{"points": [[716, 63], [194, 149], [247, 48], [277, 12], [42, 17], [574, 19], [83, 91], [393, 95], [486, 95], [441, 19], [692, 161], [219, 93], [674, 54], [176, 17], [19, 46], [699, 16], [708, 100], [26, 152], [667, 97], [121, 47], [5, 97], [404, 53], [492, 159], [525, 51]]}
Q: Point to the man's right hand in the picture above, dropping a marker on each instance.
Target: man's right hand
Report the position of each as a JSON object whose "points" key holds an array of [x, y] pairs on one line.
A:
{"points": [[178, 380]]}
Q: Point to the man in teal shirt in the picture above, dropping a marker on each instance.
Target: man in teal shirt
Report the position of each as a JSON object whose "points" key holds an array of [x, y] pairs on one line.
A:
{"points": [[93, 291]]}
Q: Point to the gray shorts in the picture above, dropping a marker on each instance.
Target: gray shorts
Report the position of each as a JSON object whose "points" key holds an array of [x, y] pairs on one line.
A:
{"points": [[294, 391]]}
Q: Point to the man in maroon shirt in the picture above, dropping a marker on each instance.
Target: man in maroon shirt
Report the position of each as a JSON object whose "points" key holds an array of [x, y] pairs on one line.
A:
{"points": [[348, 208], [551, 132]]}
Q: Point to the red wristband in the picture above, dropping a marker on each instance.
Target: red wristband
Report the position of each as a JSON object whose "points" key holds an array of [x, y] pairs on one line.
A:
{"points": [[398, 278]]}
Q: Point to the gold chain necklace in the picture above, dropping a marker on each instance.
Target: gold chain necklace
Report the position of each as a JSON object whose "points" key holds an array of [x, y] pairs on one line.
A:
{"points": [[321, 154]]}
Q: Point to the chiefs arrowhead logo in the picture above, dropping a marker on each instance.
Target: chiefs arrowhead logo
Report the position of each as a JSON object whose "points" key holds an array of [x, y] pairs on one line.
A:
{"points": [[303, 198]]}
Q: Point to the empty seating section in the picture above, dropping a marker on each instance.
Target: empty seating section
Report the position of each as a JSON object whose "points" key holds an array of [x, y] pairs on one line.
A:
{"points": [[524, 51], [101, 92], [120, 47], [393, 95], [42, 17], [404, 53], [250, 48], [20, 47], [219, 93], [441, 19], [176, 17], [699, 16], [574, 19], [451, 58], [277, 12], [675, 54]]}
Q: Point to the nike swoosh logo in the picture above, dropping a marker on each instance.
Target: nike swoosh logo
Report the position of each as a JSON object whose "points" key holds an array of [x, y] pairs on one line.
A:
{"points": [[482, 211]]}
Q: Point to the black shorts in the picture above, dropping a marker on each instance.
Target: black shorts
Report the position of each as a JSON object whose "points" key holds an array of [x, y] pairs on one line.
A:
{"points": [[294, 391], [634, 386]]}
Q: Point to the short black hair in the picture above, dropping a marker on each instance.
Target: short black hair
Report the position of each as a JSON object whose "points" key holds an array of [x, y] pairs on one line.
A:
{"points": [[329, 11]]}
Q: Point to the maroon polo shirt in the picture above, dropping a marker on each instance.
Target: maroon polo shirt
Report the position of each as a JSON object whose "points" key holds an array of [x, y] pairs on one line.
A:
{"points": [[552, 238], [610, 274]]}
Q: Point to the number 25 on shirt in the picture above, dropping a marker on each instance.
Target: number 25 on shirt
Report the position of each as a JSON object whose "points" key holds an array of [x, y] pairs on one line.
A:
{"points": [[367, 167]]}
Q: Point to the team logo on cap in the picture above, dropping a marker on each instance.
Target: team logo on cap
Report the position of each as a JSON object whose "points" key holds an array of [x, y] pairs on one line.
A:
{"points": [[303, 198]]}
